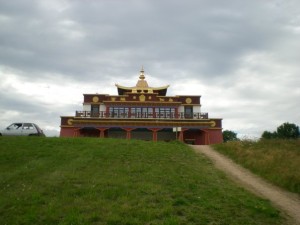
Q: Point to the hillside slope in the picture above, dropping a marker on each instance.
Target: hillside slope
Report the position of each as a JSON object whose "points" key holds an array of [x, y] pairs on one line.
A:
{"points": [[94, 181], [286, 201], [276, 160]]}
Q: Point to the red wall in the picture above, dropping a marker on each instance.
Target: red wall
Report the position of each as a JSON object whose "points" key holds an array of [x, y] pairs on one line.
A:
{"points": [[215, 136], [67, 132], [201, 137]]}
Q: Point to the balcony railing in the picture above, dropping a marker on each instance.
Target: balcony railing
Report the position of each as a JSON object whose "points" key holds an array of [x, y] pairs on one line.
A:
{"points": [[103, 114]]}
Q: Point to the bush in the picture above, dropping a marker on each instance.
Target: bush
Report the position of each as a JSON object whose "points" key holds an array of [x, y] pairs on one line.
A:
{"points": [[229, 135], [284, 131], [288, 131], [269, 135]]}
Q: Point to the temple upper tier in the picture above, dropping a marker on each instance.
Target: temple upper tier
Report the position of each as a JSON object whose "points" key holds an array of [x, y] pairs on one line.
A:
{"points": [[142, 87]]}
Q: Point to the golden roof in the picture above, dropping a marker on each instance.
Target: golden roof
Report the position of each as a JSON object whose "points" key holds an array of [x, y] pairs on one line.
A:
{"points": [[142, 86]]}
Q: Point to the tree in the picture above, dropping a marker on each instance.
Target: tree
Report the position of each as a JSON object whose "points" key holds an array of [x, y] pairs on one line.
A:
{"points": [[229, 135], [288, 131], [269, 135]]}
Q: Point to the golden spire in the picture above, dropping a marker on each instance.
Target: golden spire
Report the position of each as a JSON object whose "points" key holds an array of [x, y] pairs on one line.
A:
{"points": [[142, 83], [142, 76]]}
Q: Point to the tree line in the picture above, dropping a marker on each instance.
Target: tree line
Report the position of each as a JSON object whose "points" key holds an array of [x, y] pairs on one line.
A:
{"points": [[284, 131]]}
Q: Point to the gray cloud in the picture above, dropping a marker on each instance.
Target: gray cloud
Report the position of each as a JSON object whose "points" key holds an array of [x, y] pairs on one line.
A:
{"points": [[244, 54]]}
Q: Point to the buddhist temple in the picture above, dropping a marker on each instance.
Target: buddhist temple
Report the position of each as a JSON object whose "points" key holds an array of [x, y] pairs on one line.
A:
{"points": [[143, 112]]}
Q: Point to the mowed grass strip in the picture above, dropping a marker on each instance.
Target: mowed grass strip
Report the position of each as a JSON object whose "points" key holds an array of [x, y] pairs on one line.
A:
{"points": [[109, 181], [276, 160]]}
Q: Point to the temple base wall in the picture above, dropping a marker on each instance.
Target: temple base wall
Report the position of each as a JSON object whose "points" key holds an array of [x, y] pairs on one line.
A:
{"points": [[67, 132], [192, 136], [215, 136]]}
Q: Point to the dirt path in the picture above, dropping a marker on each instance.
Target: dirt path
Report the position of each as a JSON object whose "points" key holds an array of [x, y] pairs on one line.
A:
{"points": [[286, 201]]}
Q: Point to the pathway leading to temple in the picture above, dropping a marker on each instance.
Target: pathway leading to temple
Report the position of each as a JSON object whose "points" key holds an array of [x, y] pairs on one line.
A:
{"points": [[286, 201]]}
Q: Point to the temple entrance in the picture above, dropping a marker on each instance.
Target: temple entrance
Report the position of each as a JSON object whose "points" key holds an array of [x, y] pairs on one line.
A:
{"points": [[195, 137]]}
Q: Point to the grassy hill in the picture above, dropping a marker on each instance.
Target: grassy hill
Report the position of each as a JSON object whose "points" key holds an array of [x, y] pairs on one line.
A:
{"points": [[275, 160], [107, 181]]}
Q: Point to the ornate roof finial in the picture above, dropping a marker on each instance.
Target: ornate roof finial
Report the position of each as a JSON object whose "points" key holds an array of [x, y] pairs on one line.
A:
{"points": [[142, 76]]}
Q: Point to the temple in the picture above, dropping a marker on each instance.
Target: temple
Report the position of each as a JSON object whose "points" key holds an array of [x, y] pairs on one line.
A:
{"points": [[143, 112]]}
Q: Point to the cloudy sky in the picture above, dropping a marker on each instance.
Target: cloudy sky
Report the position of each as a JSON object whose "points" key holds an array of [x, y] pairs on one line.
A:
{"points": [[242, 57]]}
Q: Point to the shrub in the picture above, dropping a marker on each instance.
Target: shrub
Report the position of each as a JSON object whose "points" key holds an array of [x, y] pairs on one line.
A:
{"points": [[284, 131], [288, 131], [269, 135], [229, 135]]}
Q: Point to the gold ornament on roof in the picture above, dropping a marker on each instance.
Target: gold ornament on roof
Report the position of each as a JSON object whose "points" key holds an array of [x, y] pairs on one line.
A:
{"points": [[95, 99], [142, 98], [70, 121], [188, 100], [142, 83], [142, 76]]}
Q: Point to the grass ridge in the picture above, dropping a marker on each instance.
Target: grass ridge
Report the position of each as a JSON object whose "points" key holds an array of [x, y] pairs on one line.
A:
{"points": [[107, 181], [275, 160]]}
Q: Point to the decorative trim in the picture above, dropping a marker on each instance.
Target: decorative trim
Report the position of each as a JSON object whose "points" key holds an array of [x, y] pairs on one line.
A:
{"points": [[142, 98], [146, 123], [188, 100], [95, 99], [70, 122]]}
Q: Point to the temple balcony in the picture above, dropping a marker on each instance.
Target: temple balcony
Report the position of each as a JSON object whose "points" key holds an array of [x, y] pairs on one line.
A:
{"points": [[155, 115]]}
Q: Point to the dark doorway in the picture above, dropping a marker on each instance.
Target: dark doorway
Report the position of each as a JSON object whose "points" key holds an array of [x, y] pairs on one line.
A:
{"points": [[116, 132], [89, 132], [95, 110], [188, 112], [141, 134], [167, 134]]}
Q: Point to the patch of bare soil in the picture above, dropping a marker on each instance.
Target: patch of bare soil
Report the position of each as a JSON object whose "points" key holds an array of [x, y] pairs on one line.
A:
{"points": [[287, 202]]}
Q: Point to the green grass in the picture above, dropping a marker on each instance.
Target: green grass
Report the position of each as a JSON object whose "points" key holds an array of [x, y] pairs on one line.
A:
{"points": [[106, 181], [276, 160]]}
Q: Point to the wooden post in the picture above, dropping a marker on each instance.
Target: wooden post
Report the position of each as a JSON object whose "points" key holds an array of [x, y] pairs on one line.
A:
{"points": [[128, 132], [181, 138], [154, 133], [176, 112], [102, 130]]}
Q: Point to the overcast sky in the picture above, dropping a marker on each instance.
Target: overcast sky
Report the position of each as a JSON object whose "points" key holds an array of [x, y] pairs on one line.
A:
{"points": [[242, 57]]}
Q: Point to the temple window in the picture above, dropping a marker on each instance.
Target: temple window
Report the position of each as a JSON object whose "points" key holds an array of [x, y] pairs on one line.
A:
{"points": [[188, 111], [118, 112]]}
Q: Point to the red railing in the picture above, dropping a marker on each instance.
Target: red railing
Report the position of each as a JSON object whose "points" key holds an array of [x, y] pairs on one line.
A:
{"points": [[103, 114]]}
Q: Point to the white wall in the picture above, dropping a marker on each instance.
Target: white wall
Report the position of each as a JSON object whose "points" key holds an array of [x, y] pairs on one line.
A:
{"points": [[181, 109], [86, 107], [196, 109], [102, 107]]}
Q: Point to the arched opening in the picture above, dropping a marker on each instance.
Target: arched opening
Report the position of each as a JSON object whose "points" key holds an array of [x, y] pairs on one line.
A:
{"points": [[116, 132], [141, 134], [166, 134], [89, 132], [195, 137]]}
